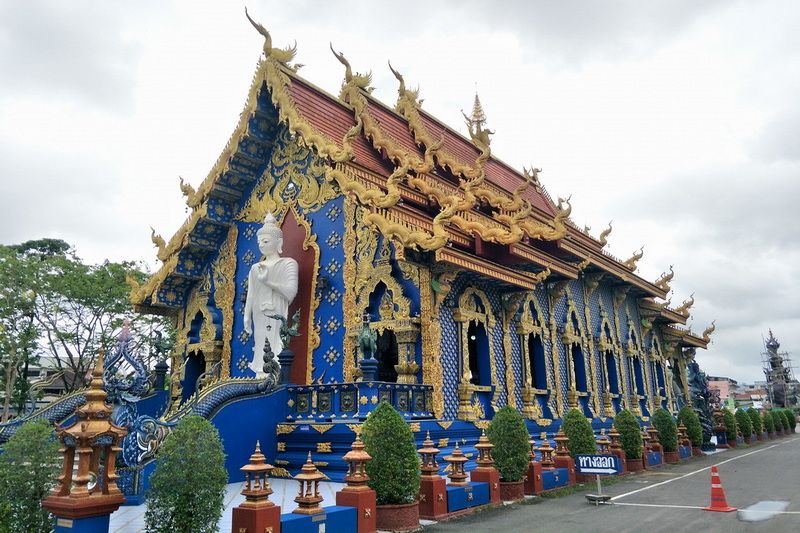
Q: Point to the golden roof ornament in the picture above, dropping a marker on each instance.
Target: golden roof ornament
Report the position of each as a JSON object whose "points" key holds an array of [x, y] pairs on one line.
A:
{"points": [[280, 55], [476, 123]]}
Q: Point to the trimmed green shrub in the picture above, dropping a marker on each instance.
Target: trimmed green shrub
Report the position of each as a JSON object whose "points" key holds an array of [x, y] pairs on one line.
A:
{"points": [[745, 425], [768, 422], [787, 419], [755, 420], [187, 487], [790, 421], [731, 430], [28, 468], [630, 434], [777, 419], [394, 468], [667, 429], [508, 433], [579, 431], [694, 431]]}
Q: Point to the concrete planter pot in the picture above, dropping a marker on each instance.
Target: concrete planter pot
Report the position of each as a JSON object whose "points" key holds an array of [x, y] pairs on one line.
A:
{"points": [[403, 517], [634, 465], [511, 491], [672, 457]]}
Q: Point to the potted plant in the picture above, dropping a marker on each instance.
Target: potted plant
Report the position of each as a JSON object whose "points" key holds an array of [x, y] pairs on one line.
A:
{"points": [[689, 418], [777, 419], [393, 470], [579, 431], [755, 420], [745, 425], [791, 418], [667, 434], [787, 421], [731, 429], [630, 439], [508, 433], [768, 423]]}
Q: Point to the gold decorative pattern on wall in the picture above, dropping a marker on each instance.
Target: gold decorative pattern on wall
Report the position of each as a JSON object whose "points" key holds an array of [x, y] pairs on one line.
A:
{"points": [[322, 428], [224, 269], [431, 330], [284, 429], [349, 300]]}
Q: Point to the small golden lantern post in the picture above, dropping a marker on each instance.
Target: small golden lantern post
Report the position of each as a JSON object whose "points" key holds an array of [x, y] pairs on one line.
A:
{"points": [[562, 458], [616, 447], [603, 443], [257, 513], [308, 498], [457, 475], [87, 493], [546, 454], [432, 487], [485, 472], [357, 493]]}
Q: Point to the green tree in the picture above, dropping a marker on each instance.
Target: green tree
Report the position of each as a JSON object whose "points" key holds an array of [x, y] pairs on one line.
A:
{"points": [[630, 434], [755, 420], [791, 419], [777, 420], [18, 330], [768, 422], [690, 420], [76, 308], [744, 422], [508, 433], [667, 429], [28, 468], [394, 467], [731, 429], [187, 487], [580, 433]]}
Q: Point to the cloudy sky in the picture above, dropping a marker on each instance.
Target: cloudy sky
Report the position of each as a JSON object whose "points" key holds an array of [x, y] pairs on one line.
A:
{"points": [[678, 120]]}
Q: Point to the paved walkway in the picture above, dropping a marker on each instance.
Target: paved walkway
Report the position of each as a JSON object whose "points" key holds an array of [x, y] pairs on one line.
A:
{"points": [[130, 518]]}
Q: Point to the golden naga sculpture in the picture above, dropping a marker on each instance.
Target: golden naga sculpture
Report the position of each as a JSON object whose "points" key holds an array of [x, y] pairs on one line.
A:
{"points": [[360, 81], [159, 243], [193, 198], [630, 264], [663, 282], [683, 310], [532, 176], [709, 330], [280, 55], [604, 235]]}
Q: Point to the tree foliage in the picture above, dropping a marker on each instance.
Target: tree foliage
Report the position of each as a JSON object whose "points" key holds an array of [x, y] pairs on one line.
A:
{"points": [[630, 434], [755, 420], [743, 420], [777, 420], [187, 487], [731, 429], [394, 468], [768, 422], [667, 429], [580, 433], [28, 468], [54, 306], [694, 430], [508, 433]]}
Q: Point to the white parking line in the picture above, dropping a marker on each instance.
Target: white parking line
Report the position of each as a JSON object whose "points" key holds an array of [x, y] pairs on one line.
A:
{"points": [[625, 495]]}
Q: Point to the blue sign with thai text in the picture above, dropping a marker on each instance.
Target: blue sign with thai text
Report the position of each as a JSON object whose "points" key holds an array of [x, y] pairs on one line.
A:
{"points": [[598, 464]]}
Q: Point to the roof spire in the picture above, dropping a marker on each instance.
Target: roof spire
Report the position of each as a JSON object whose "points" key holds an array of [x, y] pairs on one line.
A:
{"points": [[478, 117]]}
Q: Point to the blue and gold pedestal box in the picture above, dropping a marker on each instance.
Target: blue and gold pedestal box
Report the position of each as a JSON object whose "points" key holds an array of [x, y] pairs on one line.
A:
{"points": [[554, 479], [654, 459], [684, 452], [336, 519], [472, 495]]}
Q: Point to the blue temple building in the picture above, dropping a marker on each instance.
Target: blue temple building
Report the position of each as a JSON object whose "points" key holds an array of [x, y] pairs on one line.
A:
{"points": [[474, 285]]}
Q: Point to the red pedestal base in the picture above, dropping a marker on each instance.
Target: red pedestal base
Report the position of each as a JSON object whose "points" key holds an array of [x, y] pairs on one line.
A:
{"points": [[247, 520], [490, 476], [533, 478], [364, 502], [568, 463], [621, 455], [432, 497]]}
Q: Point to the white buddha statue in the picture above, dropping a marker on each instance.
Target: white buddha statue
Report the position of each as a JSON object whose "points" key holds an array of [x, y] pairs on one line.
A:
{"points": [[272, 285]]}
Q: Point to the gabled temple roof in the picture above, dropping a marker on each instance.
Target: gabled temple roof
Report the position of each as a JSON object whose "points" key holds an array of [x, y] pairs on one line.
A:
{"points": [[454, 190]]}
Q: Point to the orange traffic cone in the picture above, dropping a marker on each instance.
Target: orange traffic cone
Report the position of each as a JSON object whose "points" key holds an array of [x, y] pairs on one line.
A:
{"points": [[718, 502]]}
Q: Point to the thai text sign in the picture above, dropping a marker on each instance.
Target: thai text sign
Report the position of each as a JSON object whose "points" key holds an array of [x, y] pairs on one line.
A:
{"points": [[597, 464]]}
